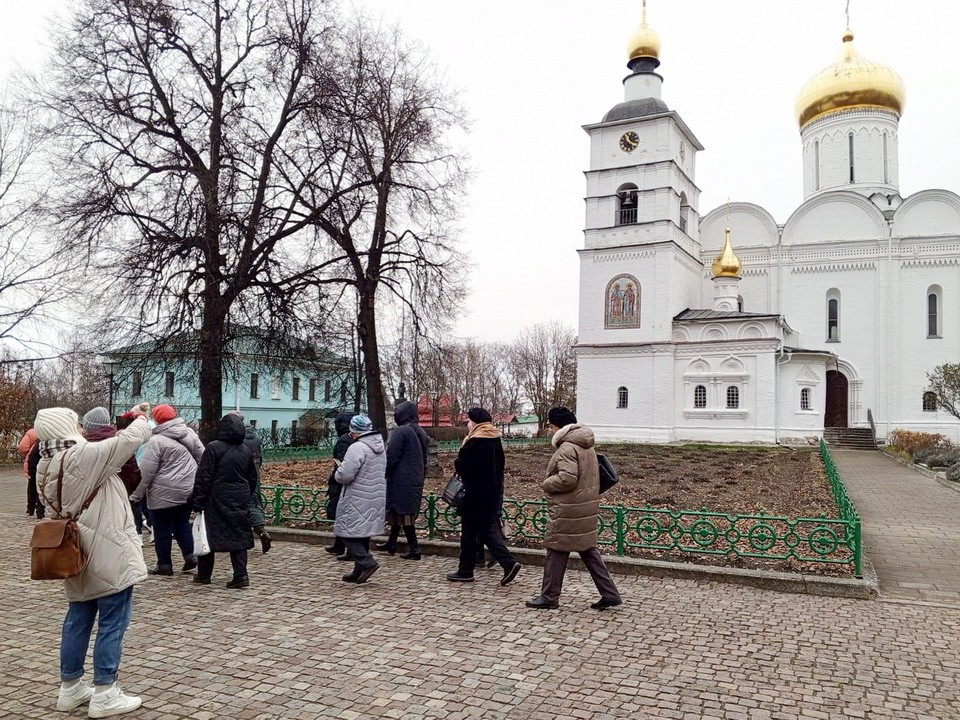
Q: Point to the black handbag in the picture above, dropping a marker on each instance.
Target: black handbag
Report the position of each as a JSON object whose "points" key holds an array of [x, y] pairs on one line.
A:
{"points": [[608, 473], [454, 492]]}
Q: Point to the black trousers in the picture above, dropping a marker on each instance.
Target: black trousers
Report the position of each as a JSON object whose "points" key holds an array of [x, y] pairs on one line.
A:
{"points": [[237, 557], [171, 524], [33, 496], [474, 534]]}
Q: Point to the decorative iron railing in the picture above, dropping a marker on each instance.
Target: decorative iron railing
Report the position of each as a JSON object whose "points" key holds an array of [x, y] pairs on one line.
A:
{"points": [[623, 529]]}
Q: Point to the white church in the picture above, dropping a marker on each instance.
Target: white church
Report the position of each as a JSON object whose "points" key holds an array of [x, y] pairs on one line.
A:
{"points": [[732, 327]]}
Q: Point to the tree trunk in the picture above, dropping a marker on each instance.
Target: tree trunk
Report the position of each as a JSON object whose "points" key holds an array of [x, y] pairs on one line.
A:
{"points": [[211, 367], [367, 330]]}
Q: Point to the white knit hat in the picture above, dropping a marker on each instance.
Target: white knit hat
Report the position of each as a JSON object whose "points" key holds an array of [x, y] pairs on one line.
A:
{"points": [[56, 424]]}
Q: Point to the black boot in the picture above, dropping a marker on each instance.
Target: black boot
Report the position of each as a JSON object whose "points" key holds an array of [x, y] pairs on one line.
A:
{"points": [[390, 546], [413, 547]]}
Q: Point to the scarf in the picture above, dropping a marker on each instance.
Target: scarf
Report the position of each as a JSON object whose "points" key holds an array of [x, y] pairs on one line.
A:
{"points": [[49, 448], [482, 430]]}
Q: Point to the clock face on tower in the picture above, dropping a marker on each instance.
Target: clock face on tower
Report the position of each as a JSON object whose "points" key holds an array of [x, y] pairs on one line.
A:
{"points": [[629, 141]]}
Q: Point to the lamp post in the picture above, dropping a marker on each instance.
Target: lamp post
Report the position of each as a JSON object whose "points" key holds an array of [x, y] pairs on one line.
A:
{"points": [[435, 397], [110, 368]]}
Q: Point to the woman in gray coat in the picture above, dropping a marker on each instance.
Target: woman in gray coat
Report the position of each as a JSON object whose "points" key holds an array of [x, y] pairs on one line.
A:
{"points": [[363, 497]]}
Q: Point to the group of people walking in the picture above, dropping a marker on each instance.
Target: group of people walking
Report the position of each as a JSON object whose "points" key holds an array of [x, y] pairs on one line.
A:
{"points": [[87, 470]]}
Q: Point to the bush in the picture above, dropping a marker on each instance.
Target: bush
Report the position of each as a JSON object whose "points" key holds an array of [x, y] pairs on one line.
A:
{"points": [[942, 458], [911, 442], [953, 473], [446, 433]]}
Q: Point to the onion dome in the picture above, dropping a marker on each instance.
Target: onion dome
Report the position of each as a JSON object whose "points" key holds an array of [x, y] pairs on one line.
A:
{"points": [[645, 42], [851, 82], [727, 263]]}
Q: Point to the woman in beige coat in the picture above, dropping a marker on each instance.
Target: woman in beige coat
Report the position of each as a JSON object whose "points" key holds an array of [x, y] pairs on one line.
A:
{"points": [[573, 503], [110, 543]]}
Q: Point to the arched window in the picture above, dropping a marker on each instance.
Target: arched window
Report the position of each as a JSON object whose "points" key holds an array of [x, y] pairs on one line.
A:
{"points": [[627, 203], [805, 403], [833, 315], [623, 397], [886, 161], [733, 397], [684, 211], [934, 321], [850, 140], [816, 165], [700, 396], [739, 303], [929, 401]]}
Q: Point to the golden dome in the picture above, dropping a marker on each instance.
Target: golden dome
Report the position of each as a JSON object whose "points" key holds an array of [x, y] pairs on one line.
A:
{"points": [[645, 42], [852, 81], [727, 263]]}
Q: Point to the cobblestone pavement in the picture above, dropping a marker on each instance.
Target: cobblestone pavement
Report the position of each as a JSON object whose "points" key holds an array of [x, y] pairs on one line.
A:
{"points": [[911, 526], [302, 644]]}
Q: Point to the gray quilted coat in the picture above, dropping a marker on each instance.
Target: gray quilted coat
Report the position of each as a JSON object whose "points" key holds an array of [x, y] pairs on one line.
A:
{"points": [[360, 512]]}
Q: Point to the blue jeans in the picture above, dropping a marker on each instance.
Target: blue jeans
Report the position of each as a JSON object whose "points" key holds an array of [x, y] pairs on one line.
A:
{"points": [[115, 612], [170, 524]]}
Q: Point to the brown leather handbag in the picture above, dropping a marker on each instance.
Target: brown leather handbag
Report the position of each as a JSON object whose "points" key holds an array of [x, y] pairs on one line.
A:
{"points": [[55, 552]]}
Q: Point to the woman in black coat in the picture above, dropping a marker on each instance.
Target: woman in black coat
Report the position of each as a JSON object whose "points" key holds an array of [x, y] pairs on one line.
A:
{"points": [[480, 466], [406, 470], [224, 492], [344, 439]]}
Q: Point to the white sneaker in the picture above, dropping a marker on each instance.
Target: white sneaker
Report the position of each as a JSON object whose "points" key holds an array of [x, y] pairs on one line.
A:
{"points": [[112, 702], [74, 696]]}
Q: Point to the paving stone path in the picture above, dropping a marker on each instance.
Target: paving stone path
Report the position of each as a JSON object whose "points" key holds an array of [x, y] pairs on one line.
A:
{"points": [[301, 644], [910, 525]]}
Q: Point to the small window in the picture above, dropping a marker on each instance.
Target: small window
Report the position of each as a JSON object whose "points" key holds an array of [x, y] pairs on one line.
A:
{"points": [[833, 315], [929, 401], [816, 165], [850, 152], [253, 423], [805, 399], [274, 435], [275, 389], [327, 390], [137, 384], [168, 385], [623, 396], [934, 322], [313, 389], [296, 388], [886, 161], [343, 392], [627, 199], [254, 386], [733, 397], [700, 396], [293, 431]]}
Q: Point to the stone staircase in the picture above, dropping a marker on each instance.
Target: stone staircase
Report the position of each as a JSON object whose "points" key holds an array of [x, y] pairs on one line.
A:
{"points": [[850, 438]]}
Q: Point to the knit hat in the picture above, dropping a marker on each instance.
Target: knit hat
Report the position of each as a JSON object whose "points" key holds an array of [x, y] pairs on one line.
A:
{"points": [[96, 419], [561, 417], [361, 424], [56, 424], [479, 415], [163, 413]]}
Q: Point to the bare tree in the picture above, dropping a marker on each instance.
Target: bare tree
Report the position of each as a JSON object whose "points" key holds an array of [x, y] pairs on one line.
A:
{"points": [[28, 273], [185, 157], [545, 366], [395, 183]]}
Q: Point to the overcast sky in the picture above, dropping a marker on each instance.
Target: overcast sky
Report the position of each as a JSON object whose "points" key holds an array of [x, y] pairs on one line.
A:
{"points": [[534, 71]]}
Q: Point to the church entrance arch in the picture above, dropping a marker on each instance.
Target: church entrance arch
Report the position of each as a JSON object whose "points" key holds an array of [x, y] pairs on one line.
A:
{"points": [[838, 400]]}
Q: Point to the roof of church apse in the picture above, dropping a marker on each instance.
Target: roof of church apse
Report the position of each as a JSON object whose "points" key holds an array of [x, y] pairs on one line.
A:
{"points": [[689, 314]]}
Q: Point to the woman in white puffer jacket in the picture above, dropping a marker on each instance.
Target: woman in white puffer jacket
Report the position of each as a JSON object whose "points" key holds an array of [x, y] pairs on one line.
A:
{"points": [[110, 543]]}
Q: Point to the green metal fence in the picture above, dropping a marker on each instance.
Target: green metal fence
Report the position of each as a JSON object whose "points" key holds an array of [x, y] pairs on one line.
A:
{"points": [[325, 449], [623, 529]]}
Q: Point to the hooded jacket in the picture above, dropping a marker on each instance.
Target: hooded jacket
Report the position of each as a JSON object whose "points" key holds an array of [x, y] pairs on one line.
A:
{"points": [[26, 445], [573, 491], [107, 533], [406, 461], [168, 465], [362, 475], [225, 484]]}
